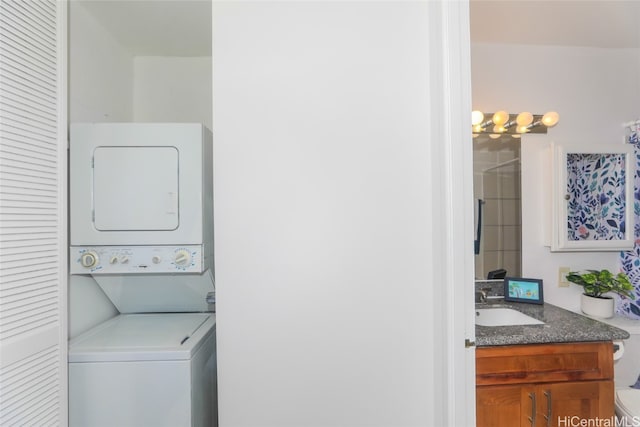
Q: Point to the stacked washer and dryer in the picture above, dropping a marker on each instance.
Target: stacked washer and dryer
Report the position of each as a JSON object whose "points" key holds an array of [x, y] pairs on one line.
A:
{"points": [[141, 224]]}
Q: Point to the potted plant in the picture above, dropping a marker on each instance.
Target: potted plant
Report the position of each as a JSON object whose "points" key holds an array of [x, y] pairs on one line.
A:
{"points": [[596, 284]]}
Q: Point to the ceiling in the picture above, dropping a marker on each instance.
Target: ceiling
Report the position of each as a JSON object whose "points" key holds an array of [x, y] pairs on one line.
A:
{"points": [[603, 23], [183, 27]]}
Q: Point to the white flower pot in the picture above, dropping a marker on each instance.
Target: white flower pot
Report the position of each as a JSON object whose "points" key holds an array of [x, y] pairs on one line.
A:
{"points": [[597, 307]]}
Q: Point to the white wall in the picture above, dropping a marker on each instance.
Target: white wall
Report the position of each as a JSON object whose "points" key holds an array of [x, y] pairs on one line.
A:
{"points": [[100, 71], [334, 235], [110, 83], [595, 91], [172, 89]]}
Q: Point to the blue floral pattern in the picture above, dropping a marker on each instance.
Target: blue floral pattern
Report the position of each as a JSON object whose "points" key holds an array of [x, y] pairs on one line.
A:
{"points": [[595, 183], [630, 260]]}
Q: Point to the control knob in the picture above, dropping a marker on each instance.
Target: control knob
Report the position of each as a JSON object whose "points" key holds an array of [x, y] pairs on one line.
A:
{"points": [[89, 259], [182, 258]]}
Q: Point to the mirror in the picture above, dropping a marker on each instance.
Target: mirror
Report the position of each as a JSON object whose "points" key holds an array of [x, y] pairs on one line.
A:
{"points": [[497, 197]]}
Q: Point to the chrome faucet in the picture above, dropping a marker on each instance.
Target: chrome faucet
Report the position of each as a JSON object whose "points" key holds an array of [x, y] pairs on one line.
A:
{"points": [[482, 294]]}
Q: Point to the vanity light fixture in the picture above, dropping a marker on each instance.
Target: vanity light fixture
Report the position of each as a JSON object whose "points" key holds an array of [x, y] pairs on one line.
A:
{"points": [[503, 122]]}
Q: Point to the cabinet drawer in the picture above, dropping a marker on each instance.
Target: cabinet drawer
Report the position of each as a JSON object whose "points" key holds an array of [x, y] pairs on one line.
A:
{"points": [[518, 364]]}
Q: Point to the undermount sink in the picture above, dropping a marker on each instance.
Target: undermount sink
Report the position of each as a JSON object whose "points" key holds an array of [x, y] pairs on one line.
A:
{"points": [[503, 317]]}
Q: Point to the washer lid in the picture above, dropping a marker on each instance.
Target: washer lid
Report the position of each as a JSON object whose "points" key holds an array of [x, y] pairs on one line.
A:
{"points": [[137, 337], [629, 400]]}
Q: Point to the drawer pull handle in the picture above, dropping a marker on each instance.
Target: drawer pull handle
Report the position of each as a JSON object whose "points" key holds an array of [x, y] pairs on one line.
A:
{"points": [[547, 394], [532, 418]]}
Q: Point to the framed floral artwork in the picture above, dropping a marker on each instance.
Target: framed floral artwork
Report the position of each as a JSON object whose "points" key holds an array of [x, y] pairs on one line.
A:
{"points": [[592, 194]]}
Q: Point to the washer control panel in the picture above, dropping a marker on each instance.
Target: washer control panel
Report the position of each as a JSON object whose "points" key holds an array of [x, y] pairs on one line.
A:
{"points": [[136, 259]]}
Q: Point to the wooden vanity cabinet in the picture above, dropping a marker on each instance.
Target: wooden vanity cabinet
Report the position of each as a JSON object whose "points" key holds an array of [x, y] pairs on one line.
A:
{"points": [[544, 384]]}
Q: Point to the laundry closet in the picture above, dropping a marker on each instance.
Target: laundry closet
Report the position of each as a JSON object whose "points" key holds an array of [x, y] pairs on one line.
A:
{"points": [[140, 90]]}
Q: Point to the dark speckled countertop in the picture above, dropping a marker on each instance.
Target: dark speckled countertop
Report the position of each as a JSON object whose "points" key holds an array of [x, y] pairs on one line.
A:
{"points": [[560, 325]]}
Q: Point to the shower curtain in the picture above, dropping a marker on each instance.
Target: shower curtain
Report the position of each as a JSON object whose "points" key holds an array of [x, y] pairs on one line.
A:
{"points": [[630, 260]]}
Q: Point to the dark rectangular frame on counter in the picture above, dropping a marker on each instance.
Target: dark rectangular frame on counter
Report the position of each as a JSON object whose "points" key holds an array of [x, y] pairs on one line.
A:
{"points": [[520, 289]]}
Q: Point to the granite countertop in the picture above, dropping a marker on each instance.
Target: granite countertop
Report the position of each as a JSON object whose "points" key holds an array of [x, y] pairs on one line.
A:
{"points": [[560, 325]]}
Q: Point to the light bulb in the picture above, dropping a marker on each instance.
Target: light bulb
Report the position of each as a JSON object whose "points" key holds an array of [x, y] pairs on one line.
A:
{"points": [[522, 129], [498, 129], [494, 135], [524, 119], [516, 135], [476, 117], [500, 118], [477, 128], [550, 119]]}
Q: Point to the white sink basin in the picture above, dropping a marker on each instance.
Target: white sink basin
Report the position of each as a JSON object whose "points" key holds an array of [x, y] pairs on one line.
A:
{"points": [[503, 317]]}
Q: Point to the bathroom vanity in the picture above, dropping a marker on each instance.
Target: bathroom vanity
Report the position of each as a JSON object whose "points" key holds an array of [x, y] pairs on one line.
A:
{"points": [[538, 385], [544, 374]]}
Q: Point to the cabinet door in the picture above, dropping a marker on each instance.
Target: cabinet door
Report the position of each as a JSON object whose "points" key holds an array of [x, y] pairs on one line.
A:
{"points": [[545, 405], [498, 406], [592, 198], [575, 403]]}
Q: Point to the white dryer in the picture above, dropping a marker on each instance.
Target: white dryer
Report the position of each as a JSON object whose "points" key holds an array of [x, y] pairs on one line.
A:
{"points": [[141, 224]]}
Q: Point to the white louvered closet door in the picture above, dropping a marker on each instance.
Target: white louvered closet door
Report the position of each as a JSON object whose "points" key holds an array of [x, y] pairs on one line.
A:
{"points": [[33, 245]]}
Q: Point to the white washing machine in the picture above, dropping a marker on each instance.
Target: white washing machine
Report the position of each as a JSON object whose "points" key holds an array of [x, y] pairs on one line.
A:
{"points": [[141, 224], [137, 370]]}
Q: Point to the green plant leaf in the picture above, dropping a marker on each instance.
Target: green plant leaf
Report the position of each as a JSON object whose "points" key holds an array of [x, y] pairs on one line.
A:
{"points": [[599, 282]]}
